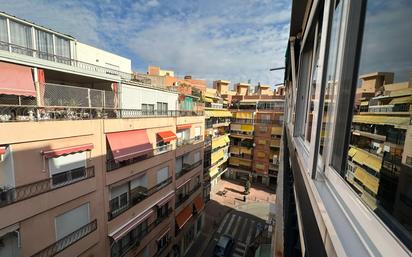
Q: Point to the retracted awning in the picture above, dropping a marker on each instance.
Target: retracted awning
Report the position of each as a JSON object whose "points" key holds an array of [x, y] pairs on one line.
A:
{"points": [[184, 216], [16, 80], [166, 199], [397, 122], [218, 113], [183, 126], [126, 145], [402, 100], [244, 115], [276, 130], [199, 204], [247, 127], [67, 150], [167, 136], [131, 224]]}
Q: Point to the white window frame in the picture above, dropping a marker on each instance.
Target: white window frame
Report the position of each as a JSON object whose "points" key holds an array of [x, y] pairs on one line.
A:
{"points": [[327, 189]]}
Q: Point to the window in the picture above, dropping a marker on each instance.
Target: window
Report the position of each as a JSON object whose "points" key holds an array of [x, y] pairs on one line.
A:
{"points": [[198, 132], [45, 49], [162, 211], [62, 50], [196, 157], [307, 80], [126, 243], [119, 198], [7, 167], [179, 164], [367, 152], [4, 38], [138, 187], [162, 175], [162, 108], [68, 168], [162, 242], [72, 220], [263, 129], [21, 36], [147, 109]]}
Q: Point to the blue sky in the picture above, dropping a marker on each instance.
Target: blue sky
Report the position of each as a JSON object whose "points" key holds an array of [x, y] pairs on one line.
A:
{"points": [[234, 40]]}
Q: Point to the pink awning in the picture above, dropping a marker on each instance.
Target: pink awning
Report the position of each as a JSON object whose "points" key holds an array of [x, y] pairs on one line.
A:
{"points": [[16, 80], [126, 145], [67, 150], [131, 224], [166, 199], [2, 150]]}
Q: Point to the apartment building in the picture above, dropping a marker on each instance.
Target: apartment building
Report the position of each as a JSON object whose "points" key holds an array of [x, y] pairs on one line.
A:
{"points": [[94, 160], [344, 182], [217, 121], [255, 132]]}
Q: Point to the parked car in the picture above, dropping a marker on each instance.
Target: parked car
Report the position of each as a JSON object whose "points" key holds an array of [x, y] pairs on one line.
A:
{"points": [[223, 246]]}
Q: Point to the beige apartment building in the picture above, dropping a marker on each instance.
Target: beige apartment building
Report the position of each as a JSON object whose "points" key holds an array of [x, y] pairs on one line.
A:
{"points": [[94, 159]]}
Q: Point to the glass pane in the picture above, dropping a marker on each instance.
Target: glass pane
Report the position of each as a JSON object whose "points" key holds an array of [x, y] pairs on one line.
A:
{"points": [[3, 34], [21, 38], [381, 136], [329, 97], [44, 45]]}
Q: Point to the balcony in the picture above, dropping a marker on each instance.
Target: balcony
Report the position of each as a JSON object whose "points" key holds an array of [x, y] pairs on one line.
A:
{"points": [[13, 195], [67, 241], [187, 167], [111, 164], [180, 199], [135, 196], [182, 141], [61, 102], [135, 240], [163, 149], [63, 60]]}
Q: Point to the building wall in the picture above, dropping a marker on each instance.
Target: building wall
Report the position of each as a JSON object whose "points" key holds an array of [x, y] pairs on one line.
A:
{"points": [[93, 55], [133, 97]]}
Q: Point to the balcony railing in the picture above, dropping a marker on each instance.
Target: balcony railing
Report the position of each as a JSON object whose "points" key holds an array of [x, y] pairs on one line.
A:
{"points": [[68, 240], [12, 195], [188, 167], [111, 164], [11, 113], [135, 196], [181, 141], [71, 62], [135, 240], [252, 121], [181, 199], [163, 149]]}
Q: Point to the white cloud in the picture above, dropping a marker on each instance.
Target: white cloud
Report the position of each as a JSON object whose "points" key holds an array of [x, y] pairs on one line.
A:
{"points": [[214, 39]]}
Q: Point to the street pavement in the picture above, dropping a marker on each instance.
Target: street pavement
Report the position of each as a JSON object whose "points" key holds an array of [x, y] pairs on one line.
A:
{"points": [[242, 227], [229, 214]]}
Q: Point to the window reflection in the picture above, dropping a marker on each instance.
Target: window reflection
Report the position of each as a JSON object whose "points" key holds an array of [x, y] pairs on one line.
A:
{"points": [[381, 135]]}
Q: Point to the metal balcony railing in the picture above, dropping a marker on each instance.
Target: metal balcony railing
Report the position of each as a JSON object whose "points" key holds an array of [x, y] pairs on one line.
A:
{"points": [[12, 195], [163, 149], [187, 167], [11, 113], [180, 199], [181, 141], [111, 164], [135, 239], [68, 240], [71, 62], [135, 196], [254, 121]]}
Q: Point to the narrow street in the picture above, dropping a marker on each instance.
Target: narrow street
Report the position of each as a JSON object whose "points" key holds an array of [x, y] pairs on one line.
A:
{"points": [[229, 215]]}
